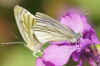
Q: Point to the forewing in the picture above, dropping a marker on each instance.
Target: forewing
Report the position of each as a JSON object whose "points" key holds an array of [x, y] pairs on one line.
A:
{"points": [[45, 34], [48, 29], [25, 21]]}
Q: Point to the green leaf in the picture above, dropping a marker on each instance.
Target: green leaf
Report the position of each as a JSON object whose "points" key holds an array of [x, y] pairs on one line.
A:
{"points": [[40, 52], [98, 47], [45, 45]]}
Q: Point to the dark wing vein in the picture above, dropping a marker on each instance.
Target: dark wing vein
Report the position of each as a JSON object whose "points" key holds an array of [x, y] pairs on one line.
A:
{"points": [[48, 24]]}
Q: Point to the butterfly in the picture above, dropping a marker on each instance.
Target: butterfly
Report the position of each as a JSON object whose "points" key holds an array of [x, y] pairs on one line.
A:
{"points": [[40, 28]]}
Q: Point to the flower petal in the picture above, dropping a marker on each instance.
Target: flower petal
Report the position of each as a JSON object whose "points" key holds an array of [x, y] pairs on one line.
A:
{"points": [[42, 62], [84, 43], [74, 21], [39, 62], [92, 62], [94, 37], [80, 62], [59, 42], [76, 56], [90, 34], [58, 55]]}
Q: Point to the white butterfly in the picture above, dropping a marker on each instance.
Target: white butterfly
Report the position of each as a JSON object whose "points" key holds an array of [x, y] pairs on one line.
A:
{"points": [[39, 28]]}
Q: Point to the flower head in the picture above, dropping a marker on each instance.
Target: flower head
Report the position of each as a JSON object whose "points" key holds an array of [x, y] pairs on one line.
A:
{"points": [[78, 23], [58, 55]]}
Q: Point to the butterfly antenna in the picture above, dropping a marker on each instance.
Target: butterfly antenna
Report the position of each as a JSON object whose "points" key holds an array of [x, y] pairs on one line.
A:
{"points": [[12, 43]]}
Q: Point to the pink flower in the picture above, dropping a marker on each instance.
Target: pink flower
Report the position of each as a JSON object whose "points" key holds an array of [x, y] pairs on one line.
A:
{"points": [[58, 55], [55, 55]]}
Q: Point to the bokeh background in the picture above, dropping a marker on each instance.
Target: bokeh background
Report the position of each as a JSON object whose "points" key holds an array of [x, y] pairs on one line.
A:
{"points": [[19, 55]]}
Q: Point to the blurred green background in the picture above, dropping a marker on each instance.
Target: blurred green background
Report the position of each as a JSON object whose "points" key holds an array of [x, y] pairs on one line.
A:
{"points": [[19, 55]]}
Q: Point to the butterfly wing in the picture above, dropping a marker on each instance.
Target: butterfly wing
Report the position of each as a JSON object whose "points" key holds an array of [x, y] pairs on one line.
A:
{"points": [[41, 28], [48, 29], [25, 20]]}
